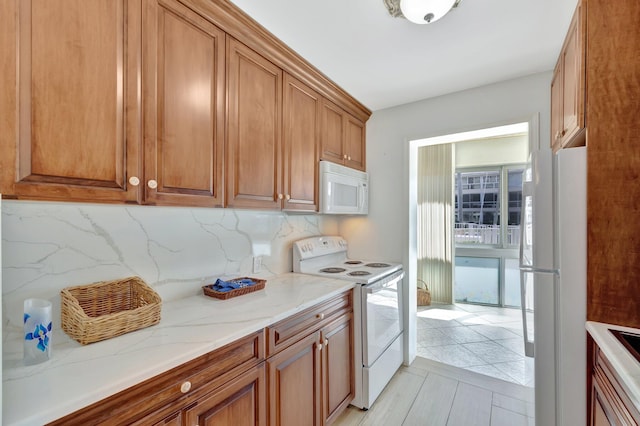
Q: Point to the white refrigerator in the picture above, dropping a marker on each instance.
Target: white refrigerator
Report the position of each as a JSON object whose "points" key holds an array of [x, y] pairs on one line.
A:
{"points": [[553, 282]]}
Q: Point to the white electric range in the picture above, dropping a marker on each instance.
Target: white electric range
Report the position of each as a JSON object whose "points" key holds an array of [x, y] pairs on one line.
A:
{"points": [[378, 330]]}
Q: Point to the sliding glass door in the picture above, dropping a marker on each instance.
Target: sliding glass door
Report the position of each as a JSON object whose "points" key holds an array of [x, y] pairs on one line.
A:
{"points": [[486, 262]]}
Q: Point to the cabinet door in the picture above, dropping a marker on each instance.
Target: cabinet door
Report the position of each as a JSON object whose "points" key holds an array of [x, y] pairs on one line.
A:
{"points": [[338, 372], [78, 97], [332, 138], [573, 90], [294, 384], [253, 177], [557, 113], [301, 145], [241, 402], [184, 75], [355, 143]]}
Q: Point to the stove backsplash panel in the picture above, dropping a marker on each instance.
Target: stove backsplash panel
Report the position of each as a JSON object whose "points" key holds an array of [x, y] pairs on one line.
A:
{"points": [[48, 246]]}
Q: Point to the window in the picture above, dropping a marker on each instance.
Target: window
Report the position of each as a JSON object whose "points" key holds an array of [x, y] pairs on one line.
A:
{"points": [[482, 199], [477, 280], [488, 205]]}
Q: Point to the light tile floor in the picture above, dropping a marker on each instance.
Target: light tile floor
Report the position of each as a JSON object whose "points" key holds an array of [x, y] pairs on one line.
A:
{"points": [[429, 393], [484, 339]]}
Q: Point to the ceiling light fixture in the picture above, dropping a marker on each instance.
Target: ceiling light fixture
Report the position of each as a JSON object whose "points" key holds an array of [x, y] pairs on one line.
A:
{"points": [[420, 11]]}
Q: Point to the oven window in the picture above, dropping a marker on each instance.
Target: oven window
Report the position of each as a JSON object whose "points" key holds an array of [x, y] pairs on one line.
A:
{"points": [[382, 319]]}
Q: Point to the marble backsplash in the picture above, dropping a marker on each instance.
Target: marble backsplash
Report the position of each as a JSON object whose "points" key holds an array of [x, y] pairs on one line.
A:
{"points": [[47, 246]]}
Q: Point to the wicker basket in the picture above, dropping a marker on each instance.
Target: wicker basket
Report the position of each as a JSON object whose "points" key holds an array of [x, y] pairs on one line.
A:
{"points": [[424, 295], [107, 309], [259, 285]]}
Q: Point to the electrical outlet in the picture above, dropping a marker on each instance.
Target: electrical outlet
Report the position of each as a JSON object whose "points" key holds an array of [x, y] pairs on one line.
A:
{"points": [[257, 264]]}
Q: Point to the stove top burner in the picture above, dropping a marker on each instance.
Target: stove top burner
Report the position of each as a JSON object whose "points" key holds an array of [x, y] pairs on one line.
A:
{"points": [[332, 270], [377, 265], [359, 273], [353, 262]]}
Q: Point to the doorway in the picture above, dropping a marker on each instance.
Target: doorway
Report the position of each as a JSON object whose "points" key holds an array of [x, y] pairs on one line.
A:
{"points": [[474, 321]]}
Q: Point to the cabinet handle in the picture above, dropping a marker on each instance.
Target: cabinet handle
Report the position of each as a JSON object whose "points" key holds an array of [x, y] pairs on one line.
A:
{"points": [[186, 387], [134, 181], [288, 197], [320, 316], [280, 197], [152, 184]]}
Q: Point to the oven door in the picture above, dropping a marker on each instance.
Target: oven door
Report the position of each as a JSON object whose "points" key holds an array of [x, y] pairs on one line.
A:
{"points": [[381, 315]]}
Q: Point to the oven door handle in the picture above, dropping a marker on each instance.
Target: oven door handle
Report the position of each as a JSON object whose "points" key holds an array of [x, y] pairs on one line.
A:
{"points": [[384, 283], [374, 289]]}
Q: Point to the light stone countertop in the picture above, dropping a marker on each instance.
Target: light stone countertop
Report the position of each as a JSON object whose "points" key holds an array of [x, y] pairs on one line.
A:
{"points": [[77, 376], [625, 365]]}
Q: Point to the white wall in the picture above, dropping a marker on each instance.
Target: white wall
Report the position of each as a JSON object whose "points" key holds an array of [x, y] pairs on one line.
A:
{"points": [[493, 151], [387, 233]]}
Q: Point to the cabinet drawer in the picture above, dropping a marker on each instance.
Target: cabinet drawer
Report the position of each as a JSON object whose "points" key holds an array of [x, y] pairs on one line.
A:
{"points": [[173, 387], [617, 404], [288, 331]]}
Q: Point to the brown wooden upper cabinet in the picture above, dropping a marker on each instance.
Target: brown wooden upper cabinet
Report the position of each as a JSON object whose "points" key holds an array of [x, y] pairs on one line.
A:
{"points": [[184, 100], [268, 166], [78, 123], [568, 87], [254, 138], [302, 115], [167, 102], [343, 137]]}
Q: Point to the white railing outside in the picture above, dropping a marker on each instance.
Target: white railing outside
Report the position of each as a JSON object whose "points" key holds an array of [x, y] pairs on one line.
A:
{"points": [[473, 233]]}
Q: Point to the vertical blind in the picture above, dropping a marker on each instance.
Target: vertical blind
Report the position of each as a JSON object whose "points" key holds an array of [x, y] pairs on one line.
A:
{"points": [[435, 221]]}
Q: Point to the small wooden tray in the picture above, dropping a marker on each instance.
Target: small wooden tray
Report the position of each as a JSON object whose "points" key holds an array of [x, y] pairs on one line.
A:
{"points": [[259, 285]]}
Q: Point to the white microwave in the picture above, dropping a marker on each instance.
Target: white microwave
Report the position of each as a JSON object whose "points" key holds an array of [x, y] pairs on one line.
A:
{"points": [[343, 190]]}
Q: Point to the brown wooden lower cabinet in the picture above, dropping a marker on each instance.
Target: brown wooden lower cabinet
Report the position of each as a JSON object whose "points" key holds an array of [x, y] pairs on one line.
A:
{"points": [[162, 399], [609, 404], [241, 402], [312, 380], [338, 385], [306, 380], [295, 384]]}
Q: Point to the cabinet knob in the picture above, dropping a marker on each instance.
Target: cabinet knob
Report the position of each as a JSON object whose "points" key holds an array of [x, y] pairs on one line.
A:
{"points": [[152, 184], [186, 387], [349, 158], [280, 197], [134, 181], [319, 347], [320, 316], [344, 156], [288, 197], [326, 342]]}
